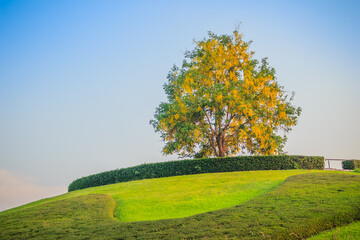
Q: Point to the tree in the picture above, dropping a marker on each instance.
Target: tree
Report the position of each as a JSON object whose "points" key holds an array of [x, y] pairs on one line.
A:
{"points": [[223, 102]]}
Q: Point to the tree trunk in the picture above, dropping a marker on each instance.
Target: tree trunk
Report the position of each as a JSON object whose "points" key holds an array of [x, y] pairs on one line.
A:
{"points": [[220, 140], [221, 153]]}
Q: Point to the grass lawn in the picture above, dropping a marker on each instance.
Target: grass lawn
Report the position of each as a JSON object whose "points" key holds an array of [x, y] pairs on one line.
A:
{"points": [[302, 206], [351, 231], [182, 196]]}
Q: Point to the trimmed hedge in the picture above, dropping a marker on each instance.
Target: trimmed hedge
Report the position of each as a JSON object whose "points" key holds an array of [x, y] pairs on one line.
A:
{"points": [[197, 166], [350, 164]]}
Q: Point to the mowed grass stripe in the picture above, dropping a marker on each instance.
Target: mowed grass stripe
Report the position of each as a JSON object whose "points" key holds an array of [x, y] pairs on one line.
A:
{"points": [[182, 196], [304, 205]]}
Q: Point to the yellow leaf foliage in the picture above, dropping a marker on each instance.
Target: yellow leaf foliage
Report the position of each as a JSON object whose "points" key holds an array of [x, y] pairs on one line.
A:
{"points": [[239, 101]]}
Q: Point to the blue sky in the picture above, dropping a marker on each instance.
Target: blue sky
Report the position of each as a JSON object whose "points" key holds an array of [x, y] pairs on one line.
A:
{"points": [[80, 80]]}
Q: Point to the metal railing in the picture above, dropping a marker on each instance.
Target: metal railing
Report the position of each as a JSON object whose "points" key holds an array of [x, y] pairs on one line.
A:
{"points": [[334, 164]]}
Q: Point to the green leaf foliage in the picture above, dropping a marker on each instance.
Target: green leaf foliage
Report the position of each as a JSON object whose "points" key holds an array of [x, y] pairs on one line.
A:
{"points": [[350, 164]]}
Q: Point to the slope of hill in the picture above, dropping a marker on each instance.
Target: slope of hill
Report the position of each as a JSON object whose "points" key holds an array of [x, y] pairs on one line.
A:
{"points": [[303, 206], [182, 196]]}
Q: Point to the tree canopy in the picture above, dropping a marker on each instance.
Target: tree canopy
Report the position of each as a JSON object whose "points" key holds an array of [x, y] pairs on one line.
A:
{"points": [[222, 102]]}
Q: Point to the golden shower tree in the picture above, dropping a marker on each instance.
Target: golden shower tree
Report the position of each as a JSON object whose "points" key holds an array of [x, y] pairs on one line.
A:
{"points": [[223, 102]]}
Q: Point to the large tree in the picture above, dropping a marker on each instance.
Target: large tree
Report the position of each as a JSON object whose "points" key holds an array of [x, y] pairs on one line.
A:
{"points": [[223, 102]]}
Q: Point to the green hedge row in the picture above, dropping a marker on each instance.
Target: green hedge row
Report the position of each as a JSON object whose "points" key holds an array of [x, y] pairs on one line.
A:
{"points": [[350, 164], [197, 166]]}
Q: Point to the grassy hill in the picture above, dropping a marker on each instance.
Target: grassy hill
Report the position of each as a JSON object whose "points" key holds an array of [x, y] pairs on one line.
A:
{"points": [[351, 231], [238, 205]]}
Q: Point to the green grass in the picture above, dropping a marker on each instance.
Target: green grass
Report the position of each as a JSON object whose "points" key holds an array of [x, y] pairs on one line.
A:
{"points": [[351, 231], [65, 219], [177, 197], [182, 196], [302, 206]]}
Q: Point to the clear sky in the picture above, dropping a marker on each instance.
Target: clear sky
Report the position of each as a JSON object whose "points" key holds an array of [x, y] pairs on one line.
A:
{"points": [[80, 80]]}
